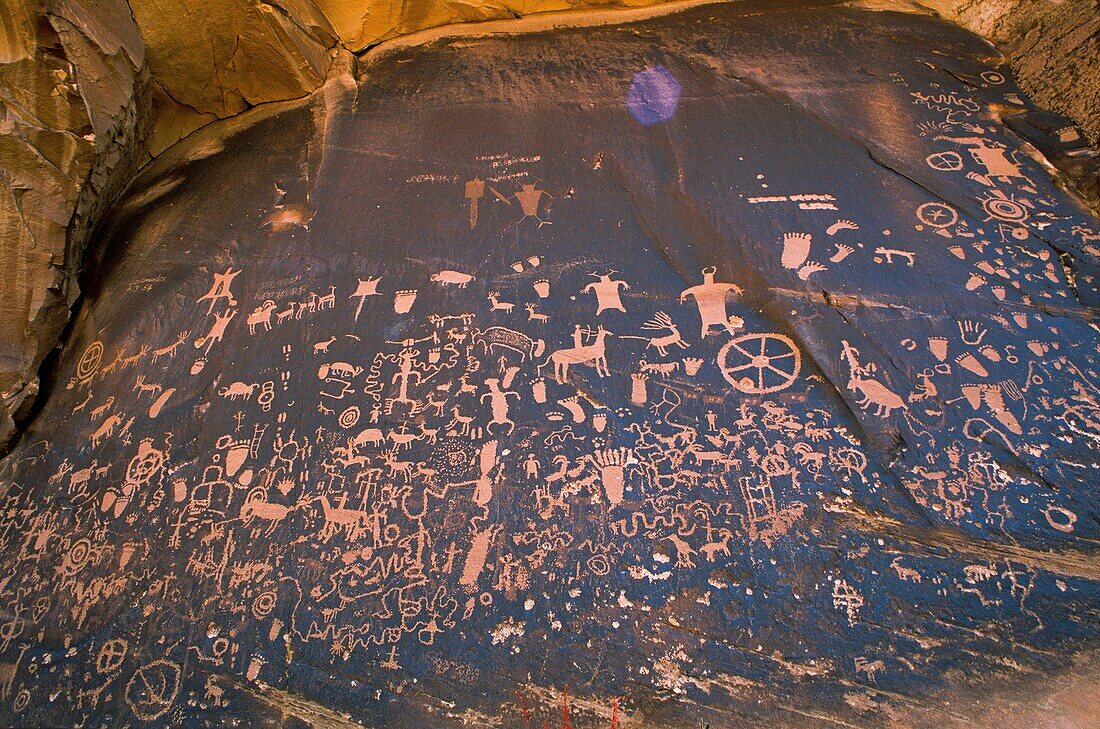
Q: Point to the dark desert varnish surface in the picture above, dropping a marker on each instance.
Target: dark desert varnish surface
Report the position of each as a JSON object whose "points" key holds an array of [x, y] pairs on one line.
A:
{"points": [[721, 367]]}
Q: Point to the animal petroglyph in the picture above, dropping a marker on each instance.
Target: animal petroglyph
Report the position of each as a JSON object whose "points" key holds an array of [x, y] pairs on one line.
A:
{"points": [[757, 430]]}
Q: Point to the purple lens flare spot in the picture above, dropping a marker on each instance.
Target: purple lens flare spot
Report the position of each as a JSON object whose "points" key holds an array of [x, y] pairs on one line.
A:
{"points": [[653, 96]]}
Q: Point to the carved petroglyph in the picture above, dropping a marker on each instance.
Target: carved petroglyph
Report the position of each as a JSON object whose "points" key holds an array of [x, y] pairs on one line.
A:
{"points": [[505, 446]]}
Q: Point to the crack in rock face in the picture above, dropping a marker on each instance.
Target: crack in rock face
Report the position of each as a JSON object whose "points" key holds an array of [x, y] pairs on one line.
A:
{"points": [[736, 365]]}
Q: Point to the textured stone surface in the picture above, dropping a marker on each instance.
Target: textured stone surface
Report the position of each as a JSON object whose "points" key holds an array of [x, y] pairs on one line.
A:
{"points": [[734, 367], [68, 94], [1054, 49], [92, 88], [246, 53]]}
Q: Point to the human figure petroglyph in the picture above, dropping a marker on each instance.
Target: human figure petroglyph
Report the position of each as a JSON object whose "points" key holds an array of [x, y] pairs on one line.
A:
{"points": [[64, 469], [498, 403], [926, 388], [220, 289], [530, 200], [578, 335], [607, 292], [711, 298], [406, 375], [531, 467], [217, 330]]}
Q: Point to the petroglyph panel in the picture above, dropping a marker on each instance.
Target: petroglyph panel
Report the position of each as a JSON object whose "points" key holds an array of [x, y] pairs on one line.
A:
{"points": [[659, 375]]}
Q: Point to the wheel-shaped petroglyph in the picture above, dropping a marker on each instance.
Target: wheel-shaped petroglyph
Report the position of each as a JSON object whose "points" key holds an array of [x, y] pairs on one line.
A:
{"points": [[152, 689], [143, 466], [89, 362], [760, 363]]}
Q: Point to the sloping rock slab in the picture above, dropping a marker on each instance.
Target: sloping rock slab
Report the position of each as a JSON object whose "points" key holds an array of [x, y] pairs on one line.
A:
{"points": [[734, 366]]}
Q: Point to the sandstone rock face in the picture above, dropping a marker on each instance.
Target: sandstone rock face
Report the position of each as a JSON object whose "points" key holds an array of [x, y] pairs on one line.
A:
{"points": [[69, 80], [1054, 48], [92, 88], [247, 53], [729, 367]]}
